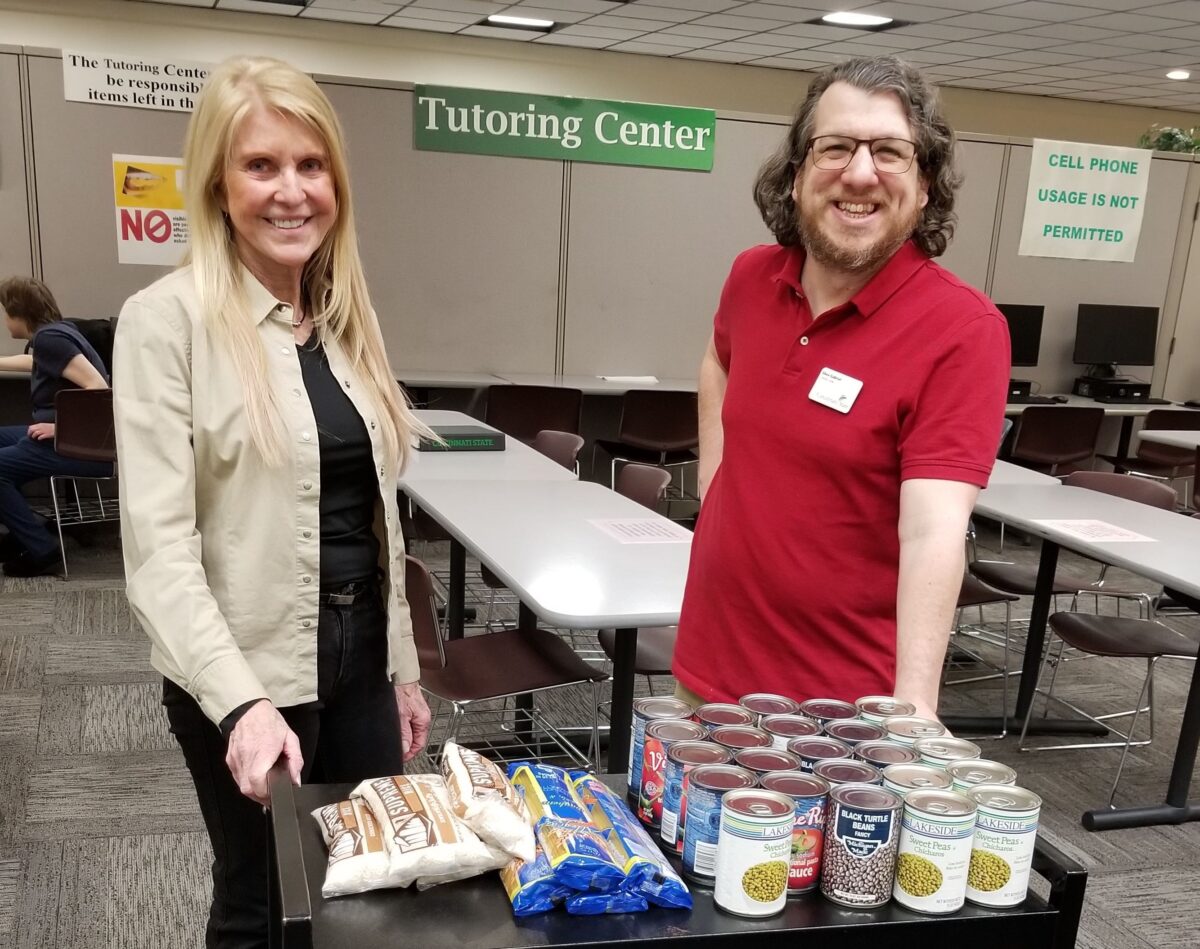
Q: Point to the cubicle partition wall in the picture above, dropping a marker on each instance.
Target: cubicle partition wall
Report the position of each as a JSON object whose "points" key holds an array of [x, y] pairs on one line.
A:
{"points": [[480, 263]]}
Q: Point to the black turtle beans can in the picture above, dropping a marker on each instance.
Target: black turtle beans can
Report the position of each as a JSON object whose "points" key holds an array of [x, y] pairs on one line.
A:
{"points": [[885, 753], [648, 710], [966, 774], [707, 786], [811, 797], [715, 714], [682, 758], [903, 778], [762, 704], [939, 752], [854, 732], [660, 736], [765, 760], [817, 748], [828, 710], [1006, 826], [935, 851], [879, 708], [753, 852], [907, 731], [862, 833], [737, 737], [783, 728], [839, 771]]}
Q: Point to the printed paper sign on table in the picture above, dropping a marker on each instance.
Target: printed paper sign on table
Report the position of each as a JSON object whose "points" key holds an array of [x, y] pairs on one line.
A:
{"points": [[1084, 202], [152, 227]]}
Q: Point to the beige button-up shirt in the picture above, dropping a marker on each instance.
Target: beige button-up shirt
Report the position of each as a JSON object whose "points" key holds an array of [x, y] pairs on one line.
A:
{"points": [[222, 552]]}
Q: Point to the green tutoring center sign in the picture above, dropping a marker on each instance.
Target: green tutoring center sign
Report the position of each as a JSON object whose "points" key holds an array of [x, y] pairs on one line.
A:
{"points": [[483, 122]]}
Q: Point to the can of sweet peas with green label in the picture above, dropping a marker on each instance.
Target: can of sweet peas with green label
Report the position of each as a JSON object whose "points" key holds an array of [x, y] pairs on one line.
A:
{"points": [[753, 847], [1005, 833], [935, 851]]}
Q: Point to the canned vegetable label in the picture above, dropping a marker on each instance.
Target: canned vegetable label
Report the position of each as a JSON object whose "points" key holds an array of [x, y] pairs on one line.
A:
{"points": [[860, 845], [660, 736], [811, 797], [1005, 833], [707, 786], [753, 850], [935, 851], [645, 710], [682, 757]]}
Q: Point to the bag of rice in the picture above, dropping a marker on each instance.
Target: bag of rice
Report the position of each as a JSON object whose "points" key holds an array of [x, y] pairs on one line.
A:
{"points": [[482, 797], [358, 859], [426, 843]]}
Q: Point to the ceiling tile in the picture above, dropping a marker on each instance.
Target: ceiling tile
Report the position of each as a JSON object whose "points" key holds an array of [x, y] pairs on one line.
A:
{"points": [[825, 34], [1041, 56], [1187, 10], [733, 22], [1070, 33], [558, 39], [741, 46], [257, 6], [345, 16], [848, 50], [712, 56], [702, 6], [499, 33], [967, 49], [600, 32], [666, 15], [912, 12], [766, 11], [958, 6], [1156, 41], [437, 16], [992, 22], [1131, 22], [935, 55], [581, 6], [413, 23], [1054, 12], [713, 33], [619, 22], [477, 8], [1091, 50], [937, 31], [641, 46], [386, 7], [778, 62]]}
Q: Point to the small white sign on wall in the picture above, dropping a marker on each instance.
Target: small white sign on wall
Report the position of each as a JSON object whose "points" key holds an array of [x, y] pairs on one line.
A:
{"points": [[1084, 202], [134, 81]]}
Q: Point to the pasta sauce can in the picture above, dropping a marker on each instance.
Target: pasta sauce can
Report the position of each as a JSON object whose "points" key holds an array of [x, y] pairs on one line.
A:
{"points": [[682, 758], [660, 736], [647, 710], [753, 848], [707, 786], [810, 795]]}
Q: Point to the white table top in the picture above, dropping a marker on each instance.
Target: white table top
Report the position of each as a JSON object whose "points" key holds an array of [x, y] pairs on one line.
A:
{"points": [[1169, 556], [1006, 473], [446, 378], [1174, 439], [594, 385], [537, 538], [1110, 408], [518, 462]]}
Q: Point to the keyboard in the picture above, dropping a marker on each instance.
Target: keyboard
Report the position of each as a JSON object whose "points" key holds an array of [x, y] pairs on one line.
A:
{"points": [[1117, 400], [1030, 400]]}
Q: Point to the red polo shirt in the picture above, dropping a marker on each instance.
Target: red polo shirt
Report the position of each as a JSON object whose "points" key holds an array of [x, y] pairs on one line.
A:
{"points": [[795, 561]]}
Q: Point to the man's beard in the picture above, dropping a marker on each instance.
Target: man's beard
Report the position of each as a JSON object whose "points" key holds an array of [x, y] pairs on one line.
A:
{"points": [[825, 250]]}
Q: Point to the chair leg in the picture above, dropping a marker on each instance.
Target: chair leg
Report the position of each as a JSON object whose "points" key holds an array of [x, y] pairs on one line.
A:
{"points": [[1146, 687], [594, 742], [1021, 746], [62, 547]]}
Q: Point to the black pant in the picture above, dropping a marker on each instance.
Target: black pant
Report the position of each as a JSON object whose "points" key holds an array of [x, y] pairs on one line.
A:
{"points": [[350, 733]]}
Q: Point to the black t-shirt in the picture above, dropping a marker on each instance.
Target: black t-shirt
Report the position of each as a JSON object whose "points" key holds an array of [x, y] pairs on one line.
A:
{"points": [[349, 491], [53, 346]]}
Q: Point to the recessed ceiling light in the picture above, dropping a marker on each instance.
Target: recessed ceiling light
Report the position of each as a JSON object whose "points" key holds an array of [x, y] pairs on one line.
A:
{"points": [[1179, 74], [520, 22], [865, 20]]}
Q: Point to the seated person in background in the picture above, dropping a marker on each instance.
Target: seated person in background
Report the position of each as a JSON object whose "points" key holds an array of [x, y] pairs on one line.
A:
{"points": [[58, 357]]}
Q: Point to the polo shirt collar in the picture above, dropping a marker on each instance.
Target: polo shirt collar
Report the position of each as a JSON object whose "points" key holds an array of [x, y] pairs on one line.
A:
{"points": [[879, 289]]}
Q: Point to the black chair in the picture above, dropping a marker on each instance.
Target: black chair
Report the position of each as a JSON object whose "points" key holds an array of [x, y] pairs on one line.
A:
{"points": [[509, 663], [84, 430], [100, 335], [656, 428], [1155, 460], [975, 594], [522, 411], [1057, 439], [656, 644]]}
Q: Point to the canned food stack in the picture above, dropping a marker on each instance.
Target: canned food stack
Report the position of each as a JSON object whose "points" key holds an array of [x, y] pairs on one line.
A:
{"points": [[774, 797]]}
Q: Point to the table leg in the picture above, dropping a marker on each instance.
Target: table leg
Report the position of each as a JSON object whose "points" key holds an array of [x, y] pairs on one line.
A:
{"points": [[457, 595], [1034, 643], [1124, 437], [621, 711], [1176, 809]]}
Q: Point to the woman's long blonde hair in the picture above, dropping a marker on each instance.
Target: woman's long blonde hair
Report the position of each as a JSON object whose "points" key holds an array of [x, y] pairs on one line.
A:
{"points": [[332, 283]]}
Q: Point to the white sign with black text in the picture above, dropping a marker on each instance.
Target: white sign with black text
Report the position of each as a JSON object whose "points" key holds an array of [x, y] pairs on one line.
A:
{"points": [[167, 84]]}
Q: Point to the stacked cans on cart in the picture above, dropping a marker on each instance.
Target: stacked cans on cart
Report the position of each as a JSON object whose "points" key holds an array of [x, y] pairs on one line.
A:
{"points": [[774, 798]]}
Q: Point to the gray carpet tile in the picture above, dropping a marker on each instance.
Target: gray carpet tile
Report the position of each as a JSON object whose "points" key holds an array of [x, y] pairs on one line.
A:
{"points": [[22, 656], [10, 883], [124, 718], [101, 613], [61, 728], [20, 713], [43, 891], [99, 661]]}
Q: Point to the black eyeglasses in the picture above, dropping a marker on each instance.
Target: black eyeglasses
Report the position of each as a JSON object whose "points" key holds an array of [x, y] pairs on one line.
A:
{"points": [[892, 156]]}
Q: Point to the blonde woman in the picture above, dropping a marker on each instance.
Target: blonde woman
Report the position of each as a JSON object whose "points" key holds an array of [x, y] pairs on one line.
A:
{"points": [[261, 434]]}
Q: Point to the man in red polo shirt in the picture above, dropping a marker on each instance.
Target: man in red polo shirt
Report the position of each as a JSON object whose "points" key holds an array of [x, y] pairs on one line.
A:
{"points": [[851, 400]]}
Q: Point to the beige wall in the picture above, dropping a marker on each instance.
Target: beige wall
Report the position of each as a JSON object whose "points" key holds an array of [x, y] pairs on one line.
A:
{"points": [[152, 29]]}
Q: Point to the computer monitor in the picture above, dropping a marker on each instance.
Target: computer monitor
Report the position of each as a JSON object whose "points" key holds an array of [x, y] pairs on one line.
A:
{"points": [[1024, 331], [1107, 336]]}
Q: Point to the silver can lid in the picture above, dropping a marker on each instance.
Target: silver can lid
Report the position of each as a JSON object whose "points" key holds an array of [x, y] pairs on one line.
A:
{"points": [[795, 783], [911, 728], [764, 760], [699, 752], [939, 803], [768, 703], [723, 713], [946, 748], [760, 803], [815, 747], [916, 776], [721, 777], [740, 736], [1004, 797], [867, 797], [846, 771], [884, 706], [674, 729], [981, 771], [884, 753], [664, 707], [828, 709], [854, 731], [790, 726]]}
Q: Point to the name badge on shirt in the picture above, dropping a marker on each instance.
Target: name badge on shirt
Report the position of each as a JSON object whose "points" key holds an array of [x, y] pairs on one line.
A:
{"points": [[836, 390]]}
